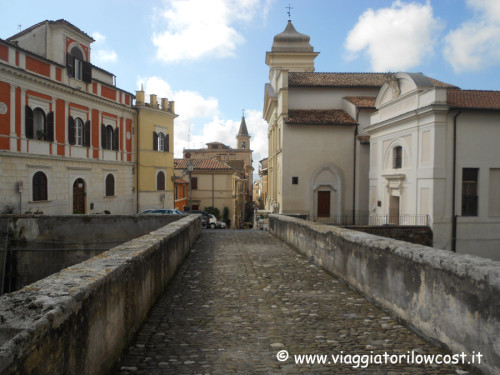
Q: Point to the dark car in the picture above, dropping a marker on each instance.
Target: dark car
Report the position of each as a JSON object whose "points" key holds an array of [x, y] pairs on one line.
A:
{"points": [[205, 219]]}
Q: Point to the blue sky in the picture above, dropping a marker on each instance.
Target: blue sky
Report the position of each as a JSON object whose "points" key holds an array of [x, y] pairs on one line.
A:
{"points": [[209, 55]]}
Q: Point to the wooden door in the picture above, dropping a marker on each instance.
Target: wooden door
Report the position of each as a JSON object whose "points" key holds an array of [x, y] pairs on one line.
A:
{"points": [[394, 210], [323, 204], [79, 196]]}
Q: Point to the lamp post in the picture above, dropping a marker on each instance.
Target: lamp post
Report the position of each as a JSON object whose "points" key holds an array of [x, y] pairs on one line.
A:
{"points": [[190, 168]]}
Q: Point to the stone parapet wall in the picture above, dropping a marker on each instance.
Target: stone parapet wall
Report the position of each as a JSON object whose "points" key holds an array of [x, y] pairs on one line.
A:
{"points": [[448, 297], [79, 320], [41, 245], [415, 234]]}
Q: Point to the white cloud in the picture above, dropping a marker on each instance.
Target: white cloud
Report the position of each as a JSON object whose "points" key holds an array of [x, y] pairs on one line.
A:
{"points": [[193, 108], [396, 38], [197, 28], [101, 55], [476, 43]]}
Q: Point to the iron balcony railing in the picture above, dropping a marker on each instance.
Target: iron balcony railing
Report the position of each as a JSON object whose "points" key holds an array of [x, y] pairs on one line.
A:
{"points": [[373, 220]]}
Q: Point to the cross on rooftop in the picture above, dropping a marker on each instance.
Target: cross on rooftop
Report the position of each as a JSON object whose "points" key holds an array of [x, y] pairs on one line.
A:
{"points": [[289, 9]]}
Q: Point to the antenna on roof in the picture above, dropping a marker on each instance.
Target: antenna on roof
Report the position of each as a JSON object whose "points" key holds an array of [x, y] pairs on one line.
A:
{"points": [[289, 9], [19, 26]]}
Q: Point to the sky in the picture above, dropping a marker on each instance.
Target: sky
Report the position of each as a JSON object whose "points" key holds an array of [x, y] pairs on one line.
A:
{"points": [[209, 55]]}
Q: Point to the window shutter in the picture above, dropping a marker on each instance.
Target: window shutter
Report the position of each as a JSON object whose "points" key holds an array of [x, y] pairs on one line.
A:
{"points": [[103, 136], [167, 143], [50, 127], [116, 139], [86, 72], [28, 122], [71, 130], [155, 141], [86, 134], [194, 183], [70, 65]]}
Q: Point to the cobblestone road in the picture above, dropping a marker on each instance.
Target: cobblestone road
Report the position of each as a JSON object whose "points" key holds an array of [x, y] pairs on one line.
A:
{"points": [[243, 296]]}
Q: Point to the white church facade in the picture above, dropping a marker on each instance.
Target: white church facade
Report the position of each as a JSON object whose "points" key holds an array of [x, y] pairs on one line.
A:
{"points": [[382, 144]]}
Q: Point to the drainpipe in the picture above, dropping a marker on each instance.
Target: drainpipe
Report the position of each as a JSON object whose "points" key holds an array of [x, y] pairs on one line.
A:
{"points": [[137, 163], [354, 171], [453, 215], [6, 249]]}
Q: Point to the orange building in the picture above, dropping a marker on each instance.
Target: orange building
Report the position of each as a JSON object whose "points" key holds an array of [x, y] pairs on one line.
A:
{"points": [[181, 199]]}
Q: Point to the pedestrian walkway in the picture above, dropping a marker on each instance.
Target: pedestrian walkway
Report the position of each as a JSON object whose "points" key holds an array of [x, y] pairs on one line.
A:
{"points": [[243, 298]]}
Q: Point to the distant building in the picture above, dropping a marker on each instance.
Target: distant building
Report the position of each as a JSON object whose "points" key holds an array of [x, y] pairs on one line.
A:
{"points": [[434, 151], [239, 158], [181, 199], [263, 199], [66, 134], [155, 152], [215, 184]]}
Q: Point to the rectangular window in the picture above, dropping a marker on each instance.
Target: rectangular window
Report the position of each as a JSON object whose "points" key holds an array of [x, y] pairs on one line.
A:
{"points": [[194, 183], [469, 191], [295, 180], [494, 198], [398, 157]]}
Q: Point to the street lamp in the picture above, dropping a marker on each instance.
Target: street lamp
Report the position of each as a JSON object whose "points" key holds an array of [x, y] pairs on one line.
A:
{"points": [[190, 168]]}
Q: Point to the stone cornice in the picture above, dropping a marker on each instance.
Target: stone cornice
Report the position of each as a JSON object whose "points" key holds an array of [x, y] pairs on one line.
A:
{"points": [[60, 87]]}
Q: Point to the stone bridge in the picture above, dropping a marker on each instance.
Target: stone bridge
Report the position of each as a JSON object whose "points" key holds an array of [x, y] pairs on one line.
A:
{"points": [[304, 298]]}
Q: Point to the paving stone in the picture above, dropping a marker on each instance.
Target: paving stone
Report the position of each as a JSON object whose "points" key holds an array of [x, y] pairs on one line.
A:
{"points": [[244, 297]]}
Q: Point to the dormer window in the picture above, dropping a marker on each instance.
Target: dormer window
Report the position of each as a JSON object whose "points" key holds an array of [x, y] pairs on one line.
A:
{"points": [[77, 67]]}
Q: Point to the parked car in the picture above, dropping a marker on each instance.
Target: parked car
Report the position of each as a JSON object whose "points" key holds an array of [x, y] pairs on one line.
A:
{"points": [[212, 221], [221, 225], [159, 211], [204, 218]]}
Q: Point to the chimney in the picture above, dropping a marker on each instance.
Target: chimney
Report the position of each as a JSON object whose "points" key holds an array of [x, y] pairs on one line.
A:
{"points": [[139, 97], [164, 104], [153, 100]]}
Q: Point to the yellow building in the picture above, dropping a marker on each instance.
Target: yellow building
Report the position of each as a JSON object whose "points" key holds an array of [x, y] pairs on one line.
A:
{"points": [[215, 184], [154, 140]]}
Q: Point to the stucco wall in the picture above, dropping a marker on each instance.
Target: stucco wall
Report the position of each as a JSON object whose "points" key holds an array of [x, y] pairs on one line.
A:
{"points": [[80, 320], [448, 297], [61, 174]]}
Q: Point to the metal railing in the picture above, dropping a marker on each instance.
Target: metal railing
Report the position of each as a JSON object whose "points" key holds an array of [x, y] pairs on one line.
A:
{"points": [[373, 220]]}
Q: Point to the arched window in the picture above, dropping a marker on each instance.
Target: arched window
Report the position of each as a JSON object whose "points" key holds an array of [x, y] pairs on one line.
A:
{"points": [[167, 143], [160, 181], [110, 185], [161, 142], [397, 157], [77, 67], [243, 144], [39, 186], [79, 134]]}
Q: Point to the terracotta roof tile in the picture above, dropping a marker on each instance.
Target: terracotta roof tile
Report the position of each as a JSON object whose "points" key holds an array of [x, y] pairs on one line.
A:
{"points": [[202, 164], [312, 79], [319, 117], [362, 101], [364, 139], [474, 99], [300, 79], [178, 180]]}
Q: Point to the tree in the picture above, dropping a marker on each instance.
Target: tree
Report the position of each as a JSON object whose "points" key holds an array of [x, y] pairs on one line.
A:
{"points": [[214, 211]]}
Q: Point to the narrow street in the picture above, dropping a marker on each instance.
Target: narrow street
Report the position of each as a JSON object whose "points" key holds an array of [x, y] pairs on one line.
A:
{"points": [[243, 297]]}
